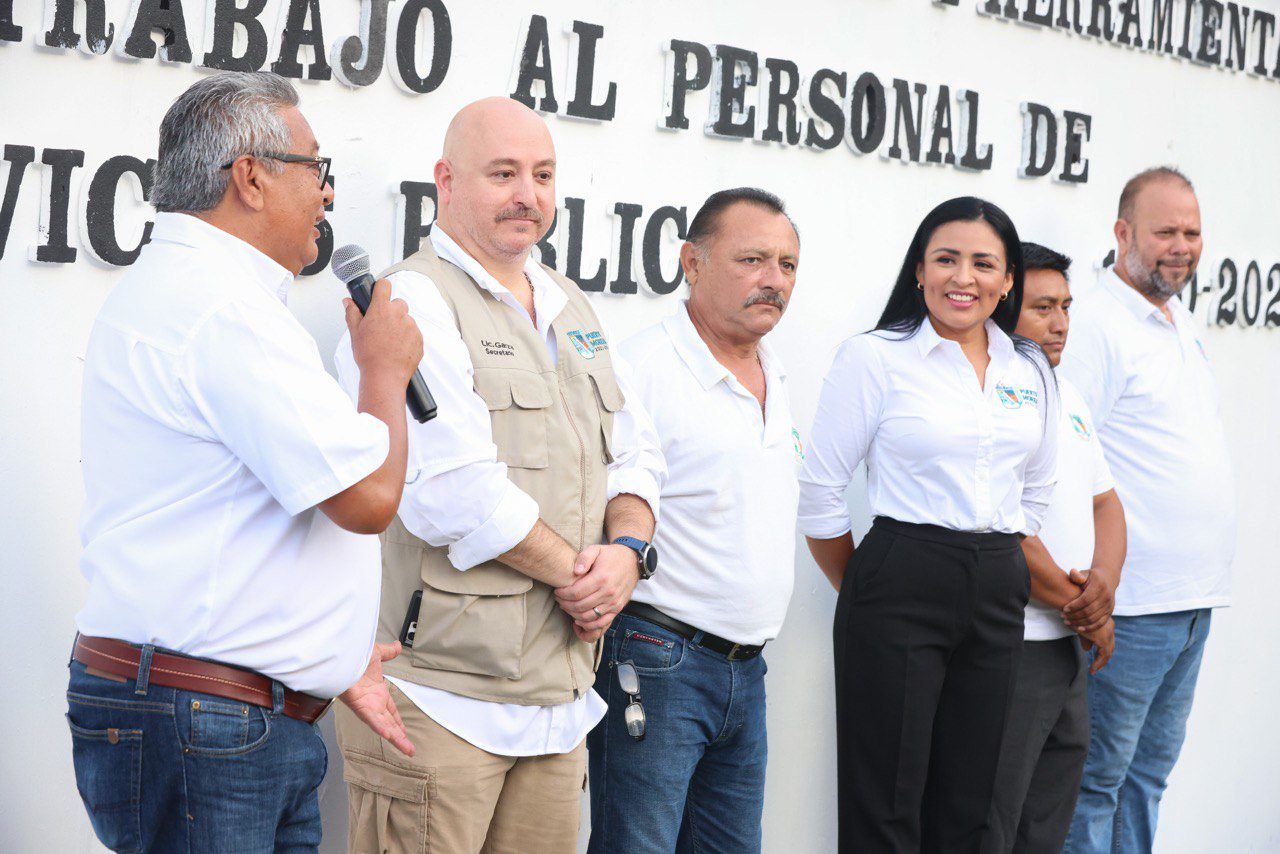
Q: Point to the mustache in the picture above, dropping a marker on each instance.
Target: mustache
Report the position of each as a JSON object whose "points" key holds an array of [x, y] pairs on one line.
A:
{"points": [[520, 212], [772, 298]]}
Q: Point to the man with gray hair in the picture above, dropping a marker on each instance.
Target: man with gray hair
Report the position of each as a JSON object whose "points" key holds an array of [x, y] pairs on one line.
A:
{"points": [[1138, 362], [228, 479]]}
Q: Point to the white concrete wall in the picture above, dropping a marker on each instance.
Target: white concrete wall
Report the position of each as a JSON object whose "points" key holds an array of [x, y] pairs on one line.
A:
{"points": [[856, 214]]}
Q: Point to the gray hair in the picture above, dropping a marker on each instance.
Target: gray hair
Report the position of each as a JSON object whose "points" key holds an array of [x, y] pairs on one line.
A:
{"points": [[215, 121]]}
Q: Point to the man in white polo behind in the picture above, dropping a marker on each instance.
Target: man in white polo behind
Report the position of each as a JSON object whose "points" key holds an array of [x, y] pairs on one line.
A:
{"points": [[1136, 358]]}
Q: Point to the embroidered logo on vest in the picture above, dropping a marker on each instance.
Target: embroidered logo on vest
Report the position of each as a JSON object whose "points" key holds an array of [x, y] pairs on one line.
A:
{"points": [[587, 343]]}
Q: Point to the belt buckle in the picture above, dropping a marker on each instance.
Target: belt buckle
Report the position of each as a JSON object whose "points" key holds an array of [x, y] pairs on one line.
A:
{"points": [[733, 651]]}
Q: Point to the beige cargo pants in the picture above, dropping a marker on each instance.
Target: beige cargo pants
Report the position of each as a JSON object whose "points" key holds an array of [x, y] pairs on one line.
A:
{"points": [[453, 797]]}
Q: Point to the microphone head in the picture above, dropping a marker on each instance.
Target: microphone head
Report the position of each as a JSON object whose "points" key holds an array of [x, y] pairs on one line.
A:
{"points": [[349, 262]]}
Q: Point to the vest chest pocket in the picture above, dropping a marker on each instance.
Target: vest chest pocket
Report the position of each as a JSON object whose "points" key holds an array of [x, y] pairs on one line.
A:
{"points": [[518, 403], [472, 621], [610, 399]]}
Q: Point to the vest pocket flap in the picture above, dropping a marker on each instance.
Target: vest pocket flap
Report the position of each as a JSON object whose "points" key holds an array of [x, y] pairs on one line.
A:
{"points": [[486, 579], [385, 779], [494, 387], [530, 391], [500, 388], [608, 392]]}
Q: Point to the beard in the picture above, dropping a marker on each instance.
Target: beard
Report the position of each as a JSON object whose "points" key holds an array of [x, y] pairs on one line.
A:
{"points": [[1149, 280]]}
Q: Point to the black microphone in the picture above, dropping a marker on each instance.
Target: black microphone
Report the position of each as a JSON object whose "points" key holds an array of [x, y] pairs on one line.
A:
{"points": [[350, 263]]}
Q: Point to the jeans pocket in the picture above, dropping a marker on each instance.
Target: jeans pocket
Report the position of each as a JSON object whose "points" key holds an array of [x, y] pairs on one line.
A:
{"points": [[223, 728], [651, 650], [108, 766]]}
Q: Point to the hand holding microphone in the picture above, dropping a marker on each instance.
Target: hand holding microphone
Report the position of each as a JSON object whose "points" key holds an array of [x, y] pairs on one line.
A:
{"points": [[383, 336]]}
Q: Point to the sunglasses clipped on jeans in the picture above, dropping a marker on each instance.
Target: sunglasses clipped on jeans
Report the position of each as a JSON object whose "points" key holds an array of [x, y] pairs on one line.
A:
{"points": [[629, 682]]}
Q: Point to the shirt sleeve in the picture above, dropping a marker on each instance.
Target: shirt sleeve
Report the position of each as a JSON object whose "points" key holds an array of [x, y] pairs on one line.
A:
{"points": [[457, 494], [849, 409], [1092, 366], [1042, 466], [254, 381], [638, 466]]}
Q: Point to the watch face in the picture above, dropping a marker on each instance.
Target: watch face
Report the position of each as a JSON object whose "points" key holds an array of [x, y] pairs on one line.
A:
{"points": [[650, 559]]}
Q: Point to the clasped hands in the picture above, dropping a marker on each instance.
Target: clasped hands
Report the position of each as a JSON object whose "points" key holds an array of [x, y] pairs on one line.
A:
{"points": [[1089, 614], [604, 578]]}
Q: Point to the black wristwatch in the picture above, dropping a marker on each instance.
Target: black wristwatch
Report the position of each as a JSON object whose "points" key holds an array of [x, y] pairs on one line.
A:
{"points": [[645, 552]]}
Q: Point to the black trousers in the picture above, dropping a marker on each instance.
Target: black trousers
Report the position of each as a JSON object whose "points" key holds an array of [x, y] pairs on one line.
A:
{"points": [[1045, 744], [928, 633]]}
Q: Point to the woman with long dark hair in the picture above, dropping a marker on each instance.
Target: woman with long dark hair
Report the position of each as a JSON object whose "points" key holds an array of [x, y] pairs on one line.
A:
{"points": [[949, 410]]}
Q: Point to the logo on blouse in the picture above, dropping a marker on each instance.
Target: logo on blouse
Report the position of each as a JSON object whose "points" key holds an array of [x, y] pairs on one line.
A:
{"points": [[797, 444], [1009, 397], [587, 343], [1082, 429]]}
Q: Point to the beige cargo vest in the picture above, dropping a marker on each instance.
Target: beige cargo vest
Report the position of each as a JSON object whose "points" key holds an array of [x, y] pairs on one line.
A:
{"points": [[491, 632]]}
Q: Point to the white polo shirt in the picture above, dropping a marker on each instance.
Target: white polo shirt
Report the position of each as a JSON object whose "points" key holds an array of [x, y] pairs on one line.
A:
{"points": [[940, 448], [1067, 531], [1151, 390], [726, 543], [210, 431]]}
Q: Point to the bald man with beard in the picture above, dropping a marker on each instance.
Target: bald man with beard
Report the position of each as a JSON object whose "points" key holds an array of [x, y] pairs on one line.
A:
{"points": [[503, 568]]}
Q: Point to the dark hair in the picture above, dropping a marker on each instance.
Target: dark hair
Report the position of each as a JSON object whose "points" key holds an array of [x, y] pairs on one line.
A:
{"points": [[906, 309], [1137, 183], [1037, 257], [707, 219]]}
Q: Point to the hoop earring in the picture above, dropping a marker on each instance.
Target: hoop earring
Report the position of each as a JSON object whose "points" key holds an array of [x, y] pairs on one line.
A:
{"points": [[919, 286], [1004, 296]]}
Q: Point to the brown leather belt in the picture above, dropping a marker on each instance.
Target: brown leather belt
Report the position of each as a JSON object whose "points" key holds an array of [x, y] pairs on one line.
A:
{"points": [[118, 658]]}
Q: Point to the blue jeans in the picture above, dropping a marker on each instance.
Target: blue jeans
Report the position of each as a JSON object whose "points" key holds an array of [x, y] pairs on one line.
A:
{"points": [[1138, 708], [696, 780], [166, 770]]}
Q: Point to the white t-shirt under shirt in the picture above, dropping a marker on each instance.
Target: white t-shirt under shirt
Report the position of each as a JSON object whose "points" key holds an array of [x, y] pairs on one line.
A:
{"points": [[1067, 531], [727, 536], [210, 431], [1150, 388]]}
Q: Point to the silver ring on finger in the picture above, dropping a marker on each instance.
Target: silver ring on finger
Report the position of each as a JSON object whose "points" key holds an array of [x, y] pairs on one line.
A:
{"points": [[599, 613]]}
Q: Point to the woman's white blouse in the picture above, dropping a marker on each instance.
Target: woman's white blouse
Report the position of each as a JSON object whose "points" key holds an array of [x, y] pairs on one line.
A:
{"points": [[940, 448]]}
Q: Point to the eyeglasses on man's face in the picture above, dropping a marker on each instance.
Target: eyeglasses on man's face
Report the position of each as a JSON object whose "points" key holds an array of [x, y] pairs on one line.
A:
{"points": [[319, 164]]}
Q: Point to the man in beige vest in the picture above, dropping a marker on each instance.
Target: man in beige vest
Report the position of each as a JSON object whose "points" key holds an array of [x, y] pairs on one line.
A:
{"points": [[495, 576]]}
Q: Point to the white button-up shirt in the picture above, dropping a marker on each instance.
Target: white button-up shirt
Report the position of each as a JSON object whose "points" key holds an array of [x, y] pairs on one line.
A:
{"points": [[1151, 390], [940, 448], [1068, 532], [210, 432], [458, 495], [727, 538]]}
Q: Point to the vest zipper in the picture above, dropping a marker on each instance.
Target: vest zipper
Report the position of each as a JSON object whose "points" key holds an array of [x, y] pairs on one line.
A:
{"points": [[582, 514]]}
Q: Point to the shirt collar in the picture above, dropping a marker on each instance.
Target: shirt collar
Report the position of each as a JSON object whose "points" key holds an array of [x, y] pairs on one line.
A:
{"points": [[697, 355], [447, 249], [1138, 305], [191, 231], [998, 343]]}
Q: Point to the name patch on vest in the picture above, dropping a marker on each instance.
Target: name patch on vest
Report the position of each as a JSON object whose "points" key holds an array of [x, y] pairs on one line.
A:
{"points": [[497, 348], [587, 343]]}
